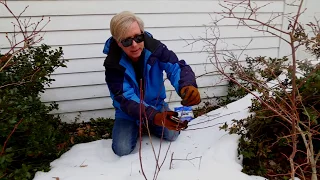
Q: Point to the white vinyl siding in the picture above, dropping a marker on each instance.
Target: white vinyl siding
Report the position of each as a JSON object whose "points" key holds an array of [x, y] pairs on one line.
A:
{"points": [[82, 27]]}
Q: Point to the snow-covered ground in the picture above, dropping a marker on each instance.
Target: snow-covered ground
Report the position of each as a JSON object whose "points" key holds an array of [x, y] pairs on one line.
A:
{"points": [[212, 154]]}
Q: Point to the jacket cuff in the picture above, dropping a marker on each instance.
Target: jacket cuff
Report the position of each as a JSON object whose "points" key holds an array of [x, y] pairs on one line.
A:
{"points": [[150, 113]]}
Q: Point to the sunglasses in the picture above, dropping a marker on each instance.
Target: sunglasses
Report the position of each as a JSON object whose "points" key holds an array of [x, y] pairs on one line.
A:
{"points": [[128, 41]]}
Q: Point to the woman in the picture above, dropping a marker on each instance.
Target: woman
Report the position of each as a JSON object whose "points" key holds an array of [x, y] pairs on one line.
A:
{"points": [[135, 59]]}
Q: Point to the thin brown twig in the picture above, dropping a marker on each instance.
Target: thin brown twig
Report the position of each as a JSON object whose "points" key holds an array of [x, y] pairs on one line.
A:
{"points": [[140, 130], [186, 159], [216, 117], [170, 166], [3, 175], [275, 175], [9, 136], [203, 127], [166, 154], [15, 17], [22, 82], [150, 139], [28, 40], [281, 110], [157, 169], [243, 19], [247, 90]]}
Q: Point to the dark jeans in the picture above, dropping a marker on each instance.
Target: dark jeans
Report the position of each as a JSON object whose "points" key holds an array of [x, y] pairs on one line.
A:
{"points": [[125, 134]]}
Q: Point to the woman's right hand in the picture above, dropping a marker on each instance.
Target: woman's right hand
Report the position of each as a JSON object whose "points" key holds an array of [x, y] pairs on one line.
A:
{"points": [[163, 119]]}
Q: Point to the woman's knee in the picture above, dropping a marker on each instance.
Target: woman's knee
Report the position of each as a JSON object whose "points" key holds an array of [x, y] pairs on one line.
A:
{"points": [[171, 135], [122, 148], [166, 134], [124, 137]]}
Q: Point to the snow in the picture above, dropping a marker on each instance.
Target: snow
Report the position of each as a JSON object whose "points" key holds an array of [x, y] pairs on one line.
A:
{"points": [[212, 154]]}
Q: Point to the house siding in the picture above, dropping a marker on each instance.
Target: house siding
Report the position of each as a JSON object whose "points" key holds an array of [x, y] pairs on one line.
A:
{"points": [[82, 29], [310, 9]]}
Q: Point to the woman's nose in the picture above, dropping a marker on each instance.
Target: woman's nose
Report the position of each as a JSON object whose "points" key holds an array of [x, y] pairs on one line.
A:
{"points": [[134, 44]]}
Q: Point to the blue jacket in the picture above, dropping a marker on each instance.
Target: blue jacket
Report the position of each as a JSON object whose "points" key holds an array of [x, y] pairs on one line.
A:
{"points": [[123, 86]]}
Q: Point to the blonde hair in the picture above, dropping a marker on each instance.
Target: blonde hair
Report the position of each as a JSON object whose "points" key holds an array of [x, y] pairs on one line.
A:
{"points": [[121, 22]]}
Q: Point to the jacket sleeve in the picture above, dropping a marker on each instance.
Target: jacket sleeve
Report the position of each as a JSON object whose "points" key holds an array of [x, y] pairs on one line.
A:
{"points": [[124, 96], [178, 71]]}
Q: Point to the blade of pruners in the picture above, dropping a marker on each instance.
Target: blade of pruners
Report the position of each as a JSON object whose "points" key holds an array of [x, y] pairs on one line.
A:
{"points": [[177, 120]]}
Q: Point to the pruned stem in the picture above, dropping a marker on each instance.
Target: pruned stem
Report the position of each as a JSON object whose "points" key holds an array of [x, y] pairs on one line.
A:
{"points": [[9, 136]]}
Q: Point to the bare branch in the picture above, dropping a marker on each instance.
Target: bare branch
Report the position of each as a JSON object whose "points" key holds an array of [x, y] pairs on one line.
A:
{"points": [[9, 136]]}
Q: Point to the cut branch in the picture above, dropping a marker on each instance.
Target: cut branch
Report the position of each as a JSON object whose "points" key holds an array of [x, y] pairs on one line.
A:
{"points": [[9, 136]]}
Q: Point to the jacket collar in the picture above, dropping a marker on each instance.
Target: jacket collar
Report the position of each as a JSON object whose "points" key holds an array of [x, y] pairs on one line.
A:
{"points": [[114, 52]]}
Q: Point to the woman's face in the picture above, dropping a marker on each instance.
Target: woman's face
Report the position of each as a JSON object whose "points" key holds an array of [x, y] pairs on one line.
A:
{"points": [[134, 50]]}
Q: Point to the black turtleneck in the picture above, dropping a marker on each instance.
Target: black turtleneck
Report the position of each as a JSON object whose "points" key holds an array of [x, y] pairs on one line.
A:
{"points": [[138, 68]]}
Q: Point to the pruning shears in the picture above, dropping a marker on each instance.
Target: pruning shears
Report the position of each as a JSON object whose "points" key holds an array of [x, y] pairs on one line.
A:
{"points": [[177, 120]]}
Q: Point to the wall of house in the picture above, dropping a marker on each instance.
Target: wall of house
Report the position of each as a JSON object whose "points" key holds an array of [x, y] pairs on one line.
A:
{"points": [[82, 27], [309, 13]]}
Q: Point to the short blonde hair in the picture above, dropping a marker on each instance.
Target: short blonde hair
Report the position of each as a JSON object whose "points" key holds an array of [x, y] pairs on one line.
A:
{"points": [[121, 22]]}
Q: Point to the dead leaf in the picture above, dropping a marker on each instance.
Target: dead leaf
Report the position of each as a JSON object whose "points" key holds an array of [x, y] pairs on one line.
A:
{"points": [[83, 165], [57, 178], [62, 145], [72, 139], [92, 133], [80, 132]]}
